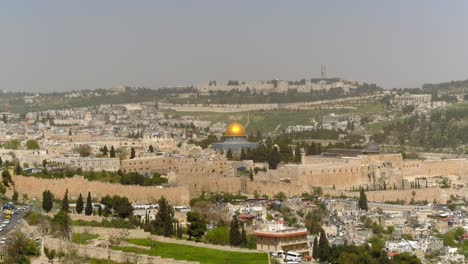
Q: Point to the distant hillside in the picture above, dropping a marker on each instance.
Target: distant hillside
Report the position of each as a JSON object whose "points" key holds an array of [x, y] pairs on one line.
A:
{"points": [[453, 87], [23, 103]]}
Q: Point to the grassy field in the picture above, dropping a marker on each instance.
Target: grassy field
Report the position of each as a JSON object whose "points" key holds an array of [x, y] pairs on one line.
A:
{"points": [[83, 238], [190, 253]]}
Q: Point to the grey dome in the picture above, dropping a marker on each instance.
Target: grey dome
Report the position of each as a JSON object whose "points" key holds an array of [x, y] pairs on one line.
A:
{"points": [[372, 147]]}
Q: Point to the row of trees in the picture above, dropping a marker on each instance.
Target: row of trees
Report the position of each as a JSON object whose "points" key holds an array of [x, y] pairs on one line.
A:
{"points": [[16, 144]]}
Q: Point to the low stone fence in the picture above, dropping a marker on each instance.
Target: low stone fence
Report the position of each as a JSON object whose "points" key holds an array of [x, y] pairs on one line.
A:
{"points": [[106, 253], [140, 233]]}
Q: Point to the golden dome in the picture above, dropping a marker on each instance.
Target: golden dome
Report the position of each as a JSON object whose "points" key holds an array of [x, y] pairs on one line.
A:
{"points": [[235, 130]]}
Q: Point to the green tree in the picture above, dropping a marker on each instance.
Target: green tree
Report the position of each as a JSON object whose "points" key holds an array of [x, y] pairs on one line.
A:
{"points": [[6, 177], [243, 236], [242, 154], [2, 188], [405, 258], [12, 144], [47, 200], [32, 144], [117, 205], [362, 200], [162, 225], [79, 204], [89, 205], [197, 226], [315, 249], [20, 248], [275, 158], [18, 169], [84, 150], [105, 151], [280, 196], [65, 205], [218, 236], [1, 161], [297, 155], [235, 238], [324, 247], [229, 155], [14, 197], [112, 152], [150, 148], [132, 153], [61, 224]]}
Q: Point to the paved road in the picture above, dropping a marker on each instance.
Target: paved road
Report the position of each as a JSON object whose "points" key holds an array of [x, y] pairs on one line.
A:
{"points": [[14, 221]]}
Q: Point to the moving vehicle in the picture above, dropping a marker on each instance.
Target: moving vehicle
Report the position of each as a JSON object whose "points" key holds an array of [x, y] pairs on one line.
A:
{"points": [[278, 254], [8, 214], [292, 256]]}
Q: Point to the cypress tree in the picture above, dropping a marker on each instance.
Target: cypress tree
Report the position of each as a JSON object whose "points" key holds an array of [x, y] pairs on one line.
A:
{"points": [[100, 210], [132, 153], [315, 249], [112, 152], [362, 200], [47, 200], [89, 205], [79, 204], [14, 197], [235, 238], [229, 154], [324, 247], [242, 154], [243, 236], [151, 149], [18, 169], [163, 224], [1, 162], [179, 231], [105, 151], [65, 205], [297, 155]]}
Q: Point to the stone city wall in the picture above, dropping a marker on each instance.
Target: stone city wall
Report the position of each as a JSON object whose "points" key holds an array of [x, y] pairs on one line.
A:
{"points": [[434, 168], [76, 185]]}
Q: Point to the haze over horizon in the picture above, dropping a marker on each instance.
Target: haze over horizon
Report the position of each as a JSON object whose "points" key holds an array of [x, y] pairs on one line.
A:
{"points": [[62, 46]]}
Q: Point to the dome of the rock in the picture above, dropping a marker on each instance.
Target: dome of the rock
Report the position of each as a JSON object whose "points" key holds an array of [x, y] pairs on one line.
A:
{"points": [[235, 130]]}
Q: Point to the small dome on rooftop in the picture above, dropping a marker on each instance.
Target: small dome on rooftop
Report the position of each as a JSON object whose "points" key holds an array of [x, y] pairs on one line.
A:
{"points": [[372, 147]]}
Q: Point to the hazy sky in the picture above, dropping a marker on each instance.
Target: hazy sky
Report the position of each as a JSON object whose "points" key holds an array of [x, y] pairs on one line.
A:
{"points": [[68, 45]]}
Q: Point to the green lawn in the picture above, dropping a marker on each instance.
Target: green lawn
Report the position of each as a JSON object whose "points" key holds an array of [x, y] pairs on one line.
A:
{"points": [[191, 253], [83, 238]]}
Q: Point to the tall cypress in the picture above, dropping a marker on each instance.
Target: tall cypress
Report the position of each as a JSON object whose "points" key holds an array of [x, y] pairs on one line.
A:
{"points": [[243, 236], [79, 204], [89, 205], [47, 200], [65, 205], [235, 238], [105, 151], [132, 153], [362, 200], [112, 152], [324, 247], [315, 249]]}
